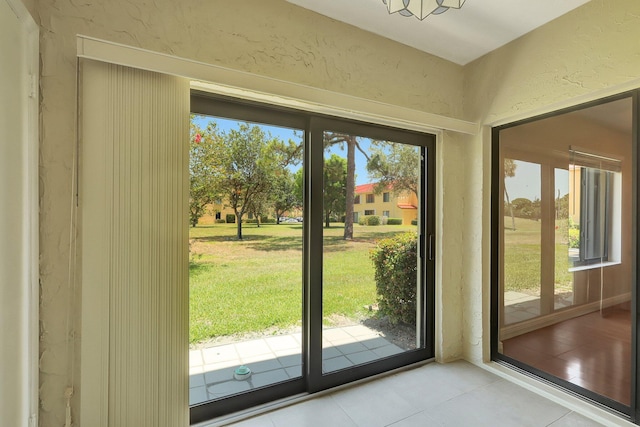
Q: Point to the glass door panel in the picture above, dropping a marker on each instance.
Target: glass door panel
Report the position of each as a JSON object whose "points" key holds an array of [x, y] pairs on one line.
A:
{"points": [[246, 263], [371, 268], [573, 325], [522, 263]]}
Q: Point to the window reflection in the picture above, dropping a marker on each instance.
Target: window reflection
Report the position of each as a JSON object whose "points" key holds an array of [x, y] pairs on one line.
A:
{"points": [[565, 247]]}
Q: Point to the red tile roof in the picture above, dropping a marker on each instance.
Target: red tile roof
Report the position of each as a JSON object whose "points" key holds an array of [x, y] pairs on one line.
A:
{"points": [[367, 188], [406, 206]]}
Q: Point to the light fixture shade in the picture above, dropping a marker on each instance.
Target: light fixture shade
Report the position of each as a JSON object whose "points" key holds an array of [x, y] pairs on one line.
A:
{"points": [[422, 8], [456, 4], [395, 5]]}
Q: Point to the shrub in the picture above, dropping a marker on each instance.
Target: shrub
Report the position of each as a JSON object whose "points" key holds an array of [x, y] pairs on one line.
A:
{"points": [[396, 272], [268, 220], [231, 219], [414, 222], [250, 221], [373, 220], [369, 220], [574, 238], [395, 221], [220, 221]]}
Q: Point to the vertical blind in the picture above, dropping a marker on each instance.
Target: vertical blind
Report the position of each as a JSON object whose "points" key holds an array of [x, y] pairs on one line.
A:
{"points": [[133, 194]]}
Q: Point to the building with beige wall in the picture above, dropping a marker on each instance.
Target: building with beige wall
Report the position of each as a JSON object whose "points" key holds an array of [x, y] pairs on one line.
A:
{"points": [[386, 204], [275, 48]]}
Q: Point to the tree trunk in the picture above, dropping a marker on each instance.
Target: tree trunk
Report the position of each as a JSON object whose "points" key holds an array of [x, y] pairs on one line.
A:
{"points": [[239, 224], [351, 187], [513, 219], [326, 219]]}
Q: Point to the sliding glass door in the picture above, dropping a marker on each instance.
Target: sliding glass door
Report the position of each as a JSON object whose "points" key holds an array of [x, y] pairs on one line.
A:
{"points": [[371, 266], [310, 253], [564, 197]]}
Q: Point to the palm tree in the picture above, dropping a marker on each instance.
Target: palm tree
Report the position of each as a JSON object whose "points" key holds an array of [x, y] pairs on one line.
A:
{"points": [[509, 172]]}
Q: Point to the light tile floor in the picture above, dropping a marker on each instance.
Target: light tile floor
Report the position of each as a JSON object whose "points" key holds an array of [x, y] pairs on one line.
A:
{"points": [[277, 358], [453, 394]]}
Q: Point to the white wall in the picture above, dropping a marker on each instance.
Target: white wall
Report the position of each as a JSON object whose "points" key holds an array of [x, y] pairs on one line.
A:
{"points": [[18, 216]]}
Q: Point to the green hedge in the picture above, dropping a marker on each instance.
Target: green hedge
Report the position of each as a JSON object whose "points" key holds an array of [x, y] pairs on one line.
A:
{"points": [[369, 220], [231, 219], [395, 262], [220, 221], [263, 220], [394, 221], [414, 222]]}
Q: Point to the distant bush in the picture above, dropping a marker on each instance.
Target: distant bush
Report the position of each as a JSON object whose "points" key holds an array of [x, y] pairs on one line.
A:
{"points": [[414, 222], [396, 272], [369, 220], [220, 221], [394, 221], [574, 238], [268, 221], [250, 221], [230, 219]]}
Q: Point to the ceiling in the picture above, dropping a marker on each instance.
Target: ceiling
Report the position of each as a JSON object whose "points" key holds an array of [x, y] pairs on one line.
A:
{"points": [[458, 35]]}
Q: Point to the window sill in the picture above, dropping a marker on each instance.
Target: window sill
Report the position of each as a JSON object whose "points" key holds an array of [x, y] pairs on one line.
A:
{"points": [[593, 266]]}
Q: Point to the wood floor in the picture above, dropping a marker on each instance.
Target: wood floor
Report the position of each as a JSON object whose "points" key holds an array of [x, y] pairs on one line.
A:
{"points": [[592, 351]]}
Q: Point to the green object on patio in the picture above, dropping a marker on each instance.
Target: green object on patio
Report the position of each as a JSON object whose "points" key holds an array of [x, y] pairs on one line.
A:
{"points": [[242, 373]]}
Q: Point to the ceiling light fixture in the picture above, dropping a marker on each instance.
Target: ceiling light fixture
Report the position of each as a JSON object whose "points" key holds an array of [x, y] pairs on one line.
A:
{"points": [[421, 8]]}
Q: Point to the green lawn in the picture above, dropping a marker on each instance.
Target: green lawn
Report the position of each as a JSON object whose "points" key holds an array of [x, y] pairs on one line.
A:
{"points": [[256, 284], [522, 257]]}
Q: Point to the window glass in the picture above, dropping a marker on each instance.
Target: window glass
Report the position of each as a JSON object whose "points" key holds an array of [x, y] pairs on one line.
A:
{"points": [[370, 305], [565, 242]]}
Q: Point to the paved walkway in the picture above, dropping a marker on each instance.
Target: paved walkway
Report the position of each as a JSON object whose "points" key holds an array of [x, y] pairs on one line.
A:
{"points": [[278, 358]]}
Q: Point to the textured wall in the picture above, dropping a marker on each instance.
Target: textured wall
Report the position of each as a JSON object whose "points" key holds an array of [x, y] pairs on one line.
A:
{"points": [[271, 38], [587, 50]]}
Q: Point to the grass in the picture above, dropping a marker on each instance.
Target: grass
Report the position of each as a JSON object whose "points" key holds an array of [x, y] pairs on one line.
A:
{"points": [[255, 284], [522, 257]]}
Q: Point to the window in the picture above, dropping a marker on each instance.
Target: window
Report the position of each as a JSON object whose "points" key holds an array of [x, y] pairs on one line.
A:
{"points": [[385, 213], [385, 197], [371, 198], [309, 253], [563, 248]]}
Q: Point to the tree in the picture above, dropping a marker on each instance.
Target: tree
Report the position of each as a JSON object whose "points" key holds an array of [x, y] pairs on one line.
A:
{"points": [[283, 193], [334, 187], [509, 172], [258, 205], [394, 167], [248, 162], [203, 167], [333, 138]]}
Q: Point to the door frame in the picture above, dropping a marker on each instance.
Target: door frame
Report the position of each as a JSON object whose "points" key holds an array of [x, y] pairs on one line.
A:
{"points": [[633, 410], [312, 379]]}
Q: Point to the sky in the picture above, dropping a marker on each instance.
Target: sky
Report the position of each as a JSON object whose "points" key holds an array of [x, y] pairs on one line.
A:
{"points": [[286, 134], [526, 182]]}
